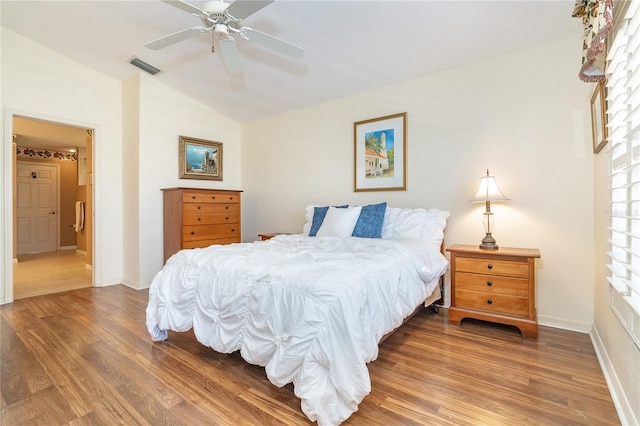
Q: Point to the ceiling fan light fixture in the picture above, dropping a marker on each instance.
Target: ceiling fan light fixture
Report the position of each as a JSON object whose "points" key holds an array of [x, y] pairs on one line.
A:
{"points": [[139, 63]]}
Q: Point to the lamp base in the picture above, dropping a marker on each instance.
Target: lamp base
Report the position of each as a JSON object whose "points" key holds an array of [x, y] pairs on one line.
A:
{"points": [[488, 242]]}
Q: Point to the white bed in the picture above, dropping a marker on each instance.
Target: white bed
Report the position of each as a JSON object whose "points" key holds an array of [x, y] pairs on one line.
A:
{"points": [[310, 309]]}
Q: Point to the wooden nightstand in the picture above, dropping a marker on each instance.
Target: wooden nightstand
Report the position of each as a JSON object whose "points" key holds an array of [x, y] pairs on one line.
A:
{"points": [[265, 237], [494, 285]]}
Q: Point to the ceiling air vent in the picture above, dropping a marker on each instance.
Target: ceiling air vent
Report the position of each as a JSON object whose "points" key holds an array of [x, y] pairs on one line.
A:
{"points": [[144, 66]]}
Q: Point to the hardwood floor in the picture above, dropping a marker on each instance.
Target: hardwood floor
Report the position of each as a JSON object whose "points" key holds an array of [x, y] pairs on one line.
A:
{"points": [[63, 270], [84, 357]]}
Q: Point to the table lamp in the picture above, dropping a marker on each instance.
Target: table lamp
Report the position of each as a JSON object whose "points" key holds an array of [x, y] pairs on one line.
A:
{"points": [[488, 192]]}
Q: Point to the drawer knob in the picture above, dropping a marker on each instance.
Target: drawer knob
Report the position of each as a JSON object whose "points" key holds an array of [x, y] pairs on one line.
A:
{"points": [[227, 207], [199, 219], [226, 218], [199, 207], [213, 198], [489, 283], [233, 229], [489, 301], [490, 266], [193, 197], [192, 233]]}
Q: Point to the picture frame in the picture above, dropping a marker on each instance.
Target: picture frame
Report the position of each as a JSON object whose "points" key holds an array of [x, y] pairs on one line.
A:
{"points": [[599, 117], [199, 159], [380, 153]]}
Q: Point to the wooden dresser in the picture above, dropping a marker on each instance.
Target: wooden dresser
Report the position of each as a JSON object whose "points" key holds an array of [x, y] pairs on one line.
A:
{"points": [[494, 285], [199, 218]]}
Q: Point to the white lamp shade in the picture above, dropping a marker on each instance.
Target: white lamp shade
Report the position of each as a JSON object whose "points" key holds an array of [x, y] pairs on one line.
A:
{"points": [[488, 190]]}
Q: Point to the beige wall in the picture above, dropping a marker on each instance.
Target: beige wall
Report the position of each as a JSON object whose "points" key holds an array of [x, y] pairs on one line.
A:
{"points": [[618, 354], [73, 94], [155, 118], [524, 116]]}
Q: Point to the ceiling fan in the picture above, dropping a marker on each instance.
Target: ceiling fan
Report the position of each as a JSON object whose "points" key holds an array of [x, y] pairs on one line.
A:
{"points": [[225, 19]]}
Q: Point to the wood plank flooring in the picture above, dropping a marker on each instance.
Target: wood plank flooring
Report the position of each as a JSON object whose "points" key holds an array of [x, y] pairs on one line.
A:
{"points": [[62, 270], [84, 357]]}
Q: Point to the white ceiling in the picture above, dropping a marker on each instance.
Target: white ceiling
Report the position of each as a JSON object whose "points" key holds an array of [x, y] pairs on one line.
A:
{"points": [[350, 46]]}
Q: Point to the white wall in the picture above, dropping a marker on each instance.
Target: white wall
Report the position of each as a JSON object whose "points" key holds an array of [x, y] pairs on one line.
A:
{"points": [[164, 115], [40, 83], [131, 181], [524, 116], [619, 356]]}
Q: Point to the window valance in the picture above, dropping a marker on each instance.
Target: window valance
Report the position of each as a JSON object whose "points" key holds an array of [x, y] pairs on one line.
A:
{"points": [[597, 18]]}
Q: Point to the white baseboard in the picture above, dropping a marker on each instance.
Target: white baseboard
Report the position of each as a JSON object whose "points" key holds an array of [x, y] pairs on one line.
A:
{"points": [[623, 407], [15, 260], [565, 324], [89, 267], [81, 252]]}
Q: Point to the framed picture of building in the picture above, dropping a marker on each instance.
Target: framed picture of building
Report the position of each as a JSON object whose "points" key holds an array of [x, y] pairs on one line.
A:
{"points": [[380, 157], [199, 159]]}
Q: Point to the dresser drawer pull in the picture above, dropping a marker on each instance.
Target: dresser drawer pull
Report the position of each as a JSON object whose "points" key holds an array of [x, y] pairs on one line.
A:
{"points": [[199, 207], [199, 219], [489, 301], [226, 207], [233, 229], [226, 218], [213, 197], [489, 283], [192, 233], [490, 266], [193, 197]]}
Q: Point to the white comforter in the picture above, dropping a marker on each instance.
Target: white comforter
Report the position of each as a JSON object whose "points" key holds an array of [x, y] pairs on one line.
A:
{"points": [[311, 310]]}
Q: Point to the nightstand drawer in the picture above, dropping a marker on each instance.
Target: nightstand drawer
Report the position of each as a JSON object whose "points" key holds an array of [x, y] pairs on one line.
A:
{"points": [[492, 284], [492, 302], [493, 267]]}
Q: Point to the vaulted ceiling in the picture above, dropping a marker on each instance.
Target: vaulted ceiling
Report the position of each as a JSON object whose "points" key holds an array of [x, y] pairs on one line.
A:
{"points": [[350, 46]]}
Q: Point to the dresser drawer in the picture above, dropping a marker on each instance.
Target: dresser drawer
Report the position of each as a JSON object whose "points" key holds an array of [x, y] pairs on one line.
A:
{"points": [[221, 197], [208, 232], [207, 243], [197, 208], [492, 284], [192, 197], [492, 267], [226, 208], [492, 302]]}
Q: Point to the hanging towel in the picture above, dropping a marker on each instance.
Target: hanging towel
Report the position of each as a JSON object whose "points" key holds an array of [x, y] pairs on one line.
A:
{"points": [[79, 216]]}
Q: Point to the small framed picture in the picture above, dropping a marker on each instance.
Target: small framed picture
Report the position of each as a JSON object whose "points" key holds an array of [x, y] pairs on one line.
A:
{"points": [[381, 153], [599, 118], [199, 159]]}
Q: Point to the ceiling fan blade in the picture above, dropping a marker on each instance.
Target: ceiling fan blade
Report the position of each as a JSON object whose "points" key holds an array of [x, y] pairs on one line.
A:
{"points": [[170, 39], [240, 9], [272, 42], [184, 6], [231, 56]]}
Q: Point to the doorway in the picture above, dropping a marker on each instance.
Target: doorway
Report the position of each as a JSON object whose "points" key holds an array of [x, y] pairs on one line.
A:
{"points": [[52, 209]]}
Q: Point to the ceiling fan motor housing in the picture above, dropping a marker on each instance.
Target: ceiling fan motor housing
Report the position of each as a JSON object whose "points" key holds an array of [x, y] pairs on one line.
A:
{"points": [[215, 9]]}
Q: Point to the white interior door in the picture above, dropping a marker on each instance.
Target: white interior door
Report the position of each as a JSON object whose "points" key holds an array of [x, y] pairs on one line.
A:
{"points": [[37, 201]]}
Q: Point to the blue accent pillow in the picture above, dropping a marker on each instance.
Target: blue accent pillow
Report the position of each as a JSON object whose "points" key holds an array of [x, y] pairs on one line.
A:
{"points": [[369, 224], [318, 217]]}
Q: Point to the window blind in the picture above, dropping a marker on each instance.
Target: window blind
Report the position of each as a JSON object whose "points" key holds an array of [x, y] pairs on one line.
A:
{"points": [[623, 125]]}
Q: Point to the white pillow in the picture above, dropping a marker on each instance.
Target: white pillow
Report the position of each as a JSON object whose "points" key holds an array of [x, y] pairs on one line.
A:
{"points": [[420, 224], [339, 222], [308, 219]]}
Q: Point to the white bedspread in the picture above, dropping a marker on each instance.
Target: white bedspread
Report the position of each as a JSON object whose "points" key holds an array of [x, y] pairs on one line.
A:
{"points": [[311, 310]]}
